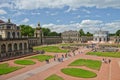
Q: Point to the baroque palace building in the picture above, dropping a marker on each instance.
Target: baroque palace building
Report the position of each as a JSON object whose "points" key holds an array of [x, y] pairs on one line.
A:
{"points": [[11, 42], [13, 45], [74, 37]]}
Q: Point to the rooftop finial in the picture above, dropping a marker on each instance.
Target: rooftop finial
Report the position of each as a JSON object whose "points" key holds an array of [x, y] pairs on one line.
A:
{"points": [[9, 20], [39, 24]]}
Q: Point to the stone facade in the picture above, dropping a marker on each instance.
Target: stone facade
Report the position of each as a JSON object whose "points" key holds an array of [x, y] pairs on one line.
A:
{"points": [[40, 39], [101, 36], [74, 37], [71, 36], [11, 42], [52, 40]]}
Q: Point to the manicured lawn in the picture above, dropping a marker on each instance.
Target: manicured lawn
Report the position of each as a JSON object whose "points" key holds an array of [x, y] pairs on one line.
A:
{"points": [[93, 64], [105, 54], [24, 62], [42, 57], [55, 49], [72, 44], [5, 68], [76, 72], [54, 77]]}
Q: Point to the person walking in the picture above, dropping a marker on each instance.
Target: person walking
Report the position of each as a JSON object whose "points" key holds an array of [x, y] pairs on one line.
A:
{"points": [[109, 61]]}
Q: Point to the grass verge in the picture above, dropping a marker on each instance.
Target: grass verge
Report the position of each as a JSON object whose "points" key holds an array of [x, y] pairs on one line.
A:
{"points": [[76, 72], [5, 68], [24, 62], [54, 77], [93, 64], [54, 49], [105, 54], [41, 57]]}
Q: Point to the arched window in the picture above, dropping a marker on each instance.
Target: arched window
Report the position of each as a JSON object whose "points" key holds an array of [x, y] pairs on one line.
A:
{"points": [[15, 46], [18, 34], [3, 48], [8, 35], [20, 46], [25, 45], [13, 34], [9, 47]]}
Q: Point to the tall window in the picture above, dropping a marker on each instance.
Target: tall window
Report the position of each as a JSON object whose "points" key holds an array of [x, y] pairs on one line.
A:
{"points": [[8, 35], [18, 34], [9, 47], [3, 48], [13, 34], [15, 46], [25, 45], [20, 46]]}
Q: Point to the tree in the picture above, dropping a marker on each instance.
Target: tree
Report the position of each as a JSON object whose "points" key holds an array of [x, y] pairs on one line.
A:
{"points": [[27, 30], [118, 33], [112, 34], [89, 34], [46, 31], [81, 32], [53, 34]]}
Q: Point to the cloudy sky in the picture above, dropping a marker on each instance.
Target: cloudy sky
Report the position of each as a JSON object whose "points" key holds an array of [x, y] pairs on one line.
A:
{"points": [[62, 15]]}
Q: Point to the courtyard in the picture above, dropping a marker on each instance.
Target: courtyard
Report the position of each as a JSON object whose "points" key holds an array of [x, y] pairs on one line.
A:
{"points": [[80, 66]]}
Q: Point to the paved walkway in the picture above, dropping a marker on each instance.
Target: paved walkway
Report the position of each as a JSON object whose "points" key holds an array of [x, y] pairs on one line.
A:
{"points": [[33, 72], [107, 72]]}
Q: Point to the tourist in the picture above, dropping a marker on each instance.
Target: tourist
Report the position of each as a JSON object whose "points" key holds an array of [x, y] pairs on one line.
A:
{"points": [[109, 60], [66, 55], [62, 56], [47, 61]]}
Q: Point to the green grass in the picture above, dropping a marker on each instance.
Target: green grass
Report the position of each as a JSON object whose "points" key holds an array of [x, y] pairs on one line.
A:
{"points": [[24, 62], [41, 57], [5, 68], [54, 49], [105, 54], [93, 64], [76, 72], [54, 77], [72, 44]]}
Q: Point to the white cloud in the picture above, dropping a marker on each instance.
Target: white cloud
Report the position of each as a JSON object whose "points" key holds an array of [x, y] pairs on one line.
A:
{"points": [[25, 20], [4, 4], [72, 4], [87, 11], [72, 22], [78, 17], [18, 13], [86, 25], [2, 12], [3, 18]]}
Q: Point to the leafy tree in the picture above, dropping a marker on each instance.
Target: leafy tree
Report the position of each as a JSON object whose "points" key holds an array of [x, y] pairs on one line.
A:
{"points": [[89, 34], [112, 34], [53, 34], [118, 33], [27, 30], [81, 32], [46, 31]]}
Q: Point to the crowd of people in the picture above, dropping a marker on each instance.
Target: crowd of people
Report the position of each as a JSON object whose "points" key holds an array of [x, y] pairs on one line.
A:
{"points": [[61, 58], [104, 60]]}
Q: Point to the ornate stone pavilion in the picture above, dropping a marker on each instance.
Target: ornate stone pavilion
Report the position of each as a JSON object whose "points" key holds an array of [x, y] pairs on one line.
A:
{"points": [[11, 42], [40, 39], [101, 36]]}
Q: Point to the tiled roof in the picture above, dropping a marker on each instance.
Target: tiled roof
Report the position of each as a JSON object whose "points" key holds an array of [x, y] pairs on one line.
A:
{"points": [[2, 21]]}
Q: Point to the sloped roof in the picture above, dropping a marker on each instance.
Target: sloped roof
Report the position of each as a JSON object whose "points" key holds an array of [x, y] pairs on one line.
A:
{"points": [[1, 21]]}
